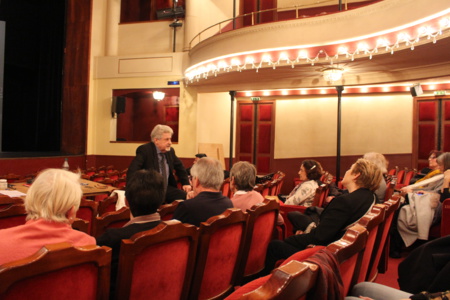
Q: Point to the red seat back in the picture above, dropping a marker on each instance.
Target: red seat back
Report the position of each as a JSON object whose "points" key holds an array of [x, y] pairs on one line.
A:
{"points": [[383, 232], [226, 188], [57, 272], [158, 263], [6, 201], [88, 211], [262, 219], [408, 176], [166, 210], [114, 219], [284, 209], [13, 215], [349, 252], [371, 221], [219, 254], [107, 204]]}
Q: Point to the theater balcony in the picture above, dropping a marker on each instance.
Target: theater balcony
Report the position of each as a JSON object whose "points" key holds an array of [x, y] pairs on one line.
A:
{"points": [[390, 41]]}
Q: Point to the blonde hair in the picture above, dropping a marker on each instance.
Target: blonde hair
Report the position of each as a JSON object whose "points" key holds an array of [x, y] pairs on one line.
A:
{"points": [[378, 159], [53, 193], [370, 174]]}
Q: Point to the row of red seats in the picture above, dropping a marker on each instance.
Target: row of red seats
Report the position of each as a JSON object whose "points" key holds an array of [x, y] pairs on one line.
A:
{"points": [[357, 253], [183, 259]]}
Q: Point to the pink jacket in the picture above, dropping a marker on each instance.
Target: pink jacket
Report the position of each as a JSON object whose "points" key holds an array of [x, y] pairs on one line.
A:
{"points": [[22, 241]]}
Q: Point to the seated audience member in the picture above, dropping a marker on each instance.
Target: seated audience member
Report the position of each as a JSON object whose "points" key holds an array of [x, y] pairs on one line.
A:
{"points": [[197, 157], [361, 180], [242, 182], [428, 195], [145, 193], [51, 204], [226, 173], [376, 291], [430, 171], [206, 200], [426, 268], [379, 160], [158, 155], [303, 194], [432, 183], [243, 178]]}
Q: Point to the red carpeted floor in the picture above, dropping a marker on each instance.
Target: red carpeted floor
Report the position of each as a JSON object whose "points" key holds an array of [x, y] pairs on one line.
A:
{"points": [[389, 278]]}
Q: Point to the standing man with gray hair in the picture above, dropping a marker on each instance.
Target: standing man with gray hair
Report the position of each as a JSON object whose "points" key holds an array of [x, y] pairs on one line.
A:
{"points": [[207, 199], [158, 155]]}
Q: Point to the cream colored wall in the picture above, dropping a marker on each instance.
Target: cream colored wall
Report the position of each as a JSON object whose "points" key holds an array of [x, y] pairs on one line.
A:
{"points": [[377, 123], [213, 119], [149, 37], [201, 14], [307, 127]]}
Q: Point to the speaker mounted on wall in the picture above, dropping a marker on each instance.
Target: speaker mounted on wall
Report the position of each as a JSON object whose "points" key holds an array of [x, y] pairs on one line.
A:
{"points": [[118, 105], [416, 90]]}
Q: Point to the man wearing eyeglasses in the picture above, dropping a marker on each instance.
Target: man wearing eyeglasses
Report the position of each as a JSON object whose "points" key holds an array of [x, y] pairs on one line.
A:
{"points": [[206, 200], [158, 155]]}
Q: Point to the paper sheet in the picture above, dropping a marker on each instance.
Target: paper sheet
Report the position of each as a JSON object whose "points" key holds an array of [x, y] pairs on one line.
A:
{"points": [[12, 193]]}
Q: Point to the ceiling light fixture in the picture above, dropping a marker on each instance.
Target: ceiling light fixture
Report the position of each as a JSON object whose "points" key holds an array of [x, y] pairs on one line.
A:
{"points": [[158, 96], [332, 74]]}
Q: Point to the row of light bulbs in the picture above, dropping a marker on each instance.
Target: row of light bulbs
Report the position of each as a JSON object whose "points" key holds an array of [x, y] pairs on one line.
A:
{"points": [[362, 49]]}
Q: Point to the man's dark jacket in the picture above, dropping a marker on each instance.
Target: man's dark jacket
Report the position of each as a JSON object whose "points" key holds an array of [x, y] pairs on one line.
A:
{"points": [[147, 158]]}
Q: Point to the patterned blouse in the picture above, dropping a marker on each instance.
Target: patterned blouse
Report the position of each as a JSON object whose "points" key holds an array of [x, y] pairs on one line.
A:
{"points": [[303, 193]]}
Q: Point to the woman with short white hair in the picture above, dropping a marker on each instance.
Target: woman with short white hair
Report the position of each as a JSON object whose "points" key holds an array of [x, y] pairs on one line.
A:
{"points": [[51, 204]]}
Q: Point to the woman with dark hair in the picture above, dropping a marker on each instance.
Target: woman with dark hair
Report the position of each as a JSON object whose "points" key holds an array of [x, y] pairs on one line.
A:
{"points": [[303, 194]]}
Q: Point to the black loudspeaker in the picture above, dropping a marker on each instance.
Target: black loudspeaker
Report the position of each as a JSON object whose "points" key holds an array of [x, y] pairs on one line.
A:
{"points": [[118, 105], [170, 13], [416, 90]]}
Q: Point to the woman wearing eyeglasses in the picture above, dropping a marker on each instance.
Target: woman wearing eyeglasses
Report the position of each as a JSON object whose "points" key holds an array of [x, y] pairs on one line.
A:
{"points": [[431, 170]]}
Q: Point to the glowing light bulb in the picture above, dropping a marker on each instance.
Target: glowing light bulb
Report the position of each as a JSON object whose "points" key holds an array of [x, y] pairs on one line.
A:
{"points": [[343, 50], [303, 54], [235, 62]]}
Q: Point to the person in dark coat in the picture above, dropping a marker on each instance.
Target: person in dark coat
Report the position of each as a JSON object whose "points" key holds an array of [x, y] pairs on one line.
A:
{"points": [[144, 195], [361, 180], [206, 200], [158, 155]]}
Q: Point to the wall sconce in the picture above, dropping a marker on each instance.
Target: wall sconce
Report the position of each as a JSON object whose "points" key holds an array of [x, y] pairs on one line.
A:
{"points": [[332, 74], [158, 96]]}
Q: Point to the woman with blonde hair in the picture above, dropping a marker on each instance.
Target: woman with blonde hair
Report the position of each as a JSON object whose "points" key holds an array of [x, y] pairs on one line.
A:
{"points": [[381, 162], [361, 180], [51, 204]]}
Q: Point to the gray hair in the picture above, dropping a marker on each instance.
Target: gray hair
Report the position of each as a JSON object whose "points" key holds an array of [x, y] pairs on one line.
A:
{"points": [[444, 160], [378, 159], [209, 173], [53, 193], [159, 130], [244, 175]]}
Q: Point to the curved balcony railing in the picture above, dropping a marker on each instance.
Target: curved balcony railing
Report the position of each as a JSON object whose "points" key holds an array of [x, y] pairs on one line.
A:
{"points": [[266, 16]]}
